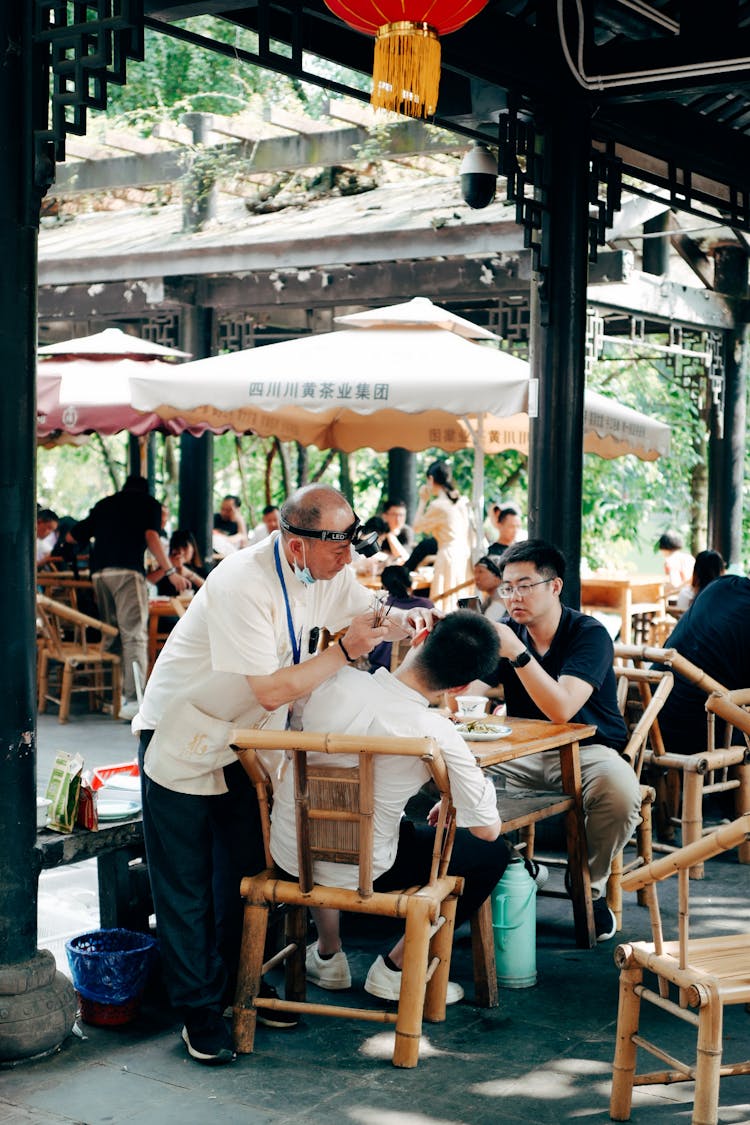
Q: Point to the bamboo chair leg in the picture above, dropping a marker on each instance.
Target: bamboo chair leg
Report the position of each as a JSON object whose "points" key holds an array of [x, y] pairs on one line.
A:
{"points": [[742, 804], [692, 815], [295, 930], [65, 692], [43, 681], [644, 839], [614, 889], [708, 1064], [623, 1068], [413, 979], [116, 689], [248, 976], [441, 947], [483, 957]]}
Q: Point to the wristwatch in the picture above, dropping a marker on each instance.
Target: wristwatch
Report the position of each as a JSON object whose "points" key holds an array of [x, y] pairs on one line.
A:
{"points": [[521, 660]]}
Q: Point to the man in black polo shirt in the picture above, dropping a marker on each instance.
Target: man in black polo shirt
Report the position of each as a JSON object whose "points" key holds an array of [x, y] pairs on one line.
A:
{"points": [[557, 663], [122, 527]]}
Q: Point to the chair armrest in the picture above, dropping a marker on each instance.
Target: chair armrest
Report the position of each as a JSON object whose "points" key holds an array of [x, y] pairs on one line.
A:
{"points": [[723, 839]]}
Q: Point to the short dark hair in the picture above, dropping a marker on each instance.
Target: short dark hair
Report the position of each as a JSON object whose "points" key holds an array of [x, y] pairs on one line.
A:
{"points": [[182, 538], [548, 560], [493, 565], [709, 565], [377, 524], [235, 499], [269, 508], [397, 503], [463, 646], [46, 514], [397, 581], [670, 541], [135, 483], [505, 509]]}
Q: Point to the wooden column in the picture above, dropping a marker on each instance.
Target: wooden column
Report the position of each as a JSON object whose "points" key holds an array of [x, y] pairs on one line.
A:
{"points": [[727, 449], [197, 453], [37, 1005], [558, 338]]}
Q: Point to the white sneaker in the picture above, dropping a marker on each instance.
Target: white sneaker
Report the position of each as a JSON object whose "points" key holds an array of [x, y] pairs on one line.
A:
{"points": [[538, 872], [386, 983], [129, 710], [332, 972]]}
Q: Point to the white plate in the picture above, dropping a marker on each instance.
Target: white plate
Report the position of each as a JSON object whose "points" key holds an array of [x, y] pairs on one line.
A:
{"points": [[122, 783], [117, 810], [498, 731]]}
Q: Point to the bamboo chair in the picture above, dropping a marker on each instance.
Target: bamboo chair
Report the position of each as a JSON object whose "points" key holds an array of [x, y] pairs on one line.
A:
{"points": [[707, 973], [718, 769], [334, 808], [644, 732], [83, 665]]}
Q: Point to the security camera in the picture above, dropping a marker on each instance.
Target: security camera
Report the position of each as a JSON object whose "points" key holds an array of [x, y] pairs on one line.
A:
{"points": [[478, 174]]}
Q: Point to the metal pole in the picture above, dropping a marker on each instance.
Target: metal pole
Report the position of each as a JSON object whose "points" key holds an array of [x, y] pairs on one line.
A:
{"points": [[197, 453]]}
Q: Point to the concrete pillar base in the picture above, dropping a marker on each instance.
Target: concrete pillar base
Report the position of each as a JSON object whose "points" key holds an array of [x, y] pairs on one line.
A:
{"points": [[37, 1008]]}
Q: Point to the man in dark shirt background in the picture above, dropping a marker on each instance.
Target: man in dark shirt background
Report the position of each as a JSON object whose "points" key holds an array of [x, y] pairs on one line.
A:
{"points": [[714, 634], [123, 526], [557, 663]]}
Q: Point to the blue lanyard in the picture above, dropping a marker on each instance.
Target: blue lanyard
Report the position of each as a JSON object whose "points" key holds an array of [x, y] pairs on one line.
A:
{"points": [[289, 619]]}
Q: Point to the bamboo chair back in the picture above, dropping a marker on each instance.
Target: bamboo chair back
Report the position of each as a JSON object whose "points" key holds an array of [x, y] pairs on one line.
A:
{"points": [[645, 732], [334, 805], [334, 810], [707, 973], [53, 614], [82, 662]]}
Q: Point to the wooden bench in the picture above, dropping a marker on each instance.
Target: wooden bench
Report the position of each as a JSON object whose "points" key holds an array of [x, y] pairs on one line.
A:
{"points": [[119, 850]]}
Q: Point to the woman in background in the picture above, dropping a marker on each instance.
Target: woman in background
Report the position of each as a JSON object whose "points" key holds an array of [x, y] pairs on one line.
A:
{"points": [[708, 566], [445, 515]]}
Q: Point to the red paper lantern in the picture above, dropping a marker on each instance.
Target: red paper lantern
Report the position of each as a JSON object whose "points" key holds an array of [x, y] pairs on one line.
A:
{"points": [[406, 70]]}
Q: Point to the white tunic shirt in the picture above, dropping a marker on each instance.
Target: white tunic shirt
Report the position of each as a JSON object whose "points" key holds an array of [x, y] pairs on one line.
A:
{"points": [[236, 626], [354, 702]]}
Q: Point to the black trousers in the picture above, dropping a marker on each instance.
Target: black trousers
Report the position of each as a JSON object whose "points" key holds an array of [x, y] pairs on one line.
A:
{"points": [[198, 849], [480, 862]]}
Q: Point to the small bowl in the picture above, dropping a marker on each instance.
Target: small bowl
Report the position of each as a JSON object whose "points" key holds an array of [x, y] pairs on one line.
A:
{"points": [[472, 706], [42, 806]]}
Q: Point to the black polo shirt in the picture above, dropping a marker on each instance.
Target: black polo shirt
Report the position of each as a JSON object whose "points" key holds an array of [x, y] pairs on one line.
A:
{"points": [[581, 647], [118, 526]]}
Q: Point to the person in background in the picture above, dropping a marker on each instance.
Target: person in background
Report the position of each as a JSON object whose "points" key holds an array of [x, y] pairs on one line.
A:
{"points": [[505, 518], [396, 580], [487, 579], [46, 535], [709, 565], [185, 558], [446, 515], [269, 522], [678, 563], [715, 635], [122, 527], [400, 537], [557, 664], [230, 530]]}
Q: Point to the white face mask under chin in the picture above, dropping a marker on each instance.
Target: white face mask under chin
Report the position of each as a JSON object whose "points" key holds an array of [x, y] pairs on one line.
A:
{"points": [[303, 573]]}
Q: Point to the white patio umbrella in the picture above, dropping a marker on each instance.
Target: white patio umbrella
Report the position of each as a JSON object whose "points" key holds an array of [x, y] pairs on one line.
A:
{"points": [[403, 376]]}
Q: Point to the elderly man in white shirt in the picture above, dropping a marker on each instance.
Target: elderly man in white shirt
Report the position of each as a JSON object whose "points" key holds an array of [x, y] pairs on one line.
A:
{"points": [[243, 654], [462, 647]]}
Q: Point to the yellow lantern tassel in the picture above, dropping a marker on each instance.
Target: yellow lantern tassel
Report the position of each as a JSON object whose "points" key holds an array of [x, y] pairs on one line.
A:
{"points": [[406, 71]]}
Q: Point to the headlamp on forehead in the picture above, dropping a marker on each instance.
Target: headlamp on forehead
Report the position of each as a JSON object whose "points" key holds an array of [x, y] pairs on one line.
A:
{"points": [[365, 545]]}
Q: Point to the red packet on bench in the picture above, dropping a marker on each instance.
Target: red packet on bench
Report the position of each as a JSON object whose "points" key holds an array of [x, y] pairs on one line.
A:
{"points": [[87, 816]]}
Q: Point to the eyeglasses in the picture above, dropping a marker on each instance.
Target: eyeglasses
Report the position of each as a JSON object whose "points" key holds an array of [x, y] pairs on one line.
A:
{"points": [[508, 591]]}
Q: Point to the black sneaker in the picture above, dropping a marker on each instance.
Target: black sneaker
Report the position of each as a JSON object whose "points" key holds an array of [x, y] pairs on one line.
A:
{"points": [[605, 922], [275, 1017], [207, 1038]]}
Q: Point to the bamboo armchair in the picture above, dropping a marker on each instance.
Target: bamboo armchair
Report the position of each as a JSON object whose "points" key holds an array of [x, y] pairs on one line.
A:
{"points": [[83, 665], [718, 769], [644, 734], [706, 973], [334, 810]]}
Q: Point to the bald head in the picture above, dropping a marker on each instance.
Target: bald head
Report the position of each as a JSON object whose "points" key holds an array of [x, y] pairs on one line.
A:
{"points": [[317, 506]]}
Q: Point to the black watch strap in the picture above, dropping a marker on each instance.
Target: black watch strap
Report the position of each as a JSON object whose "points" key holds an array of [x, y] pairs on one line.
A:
{"points": [[521, 660]]}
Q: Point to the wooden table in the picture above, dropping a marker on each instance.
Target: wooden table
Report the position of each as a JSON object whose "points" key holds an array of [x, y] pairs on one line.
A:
{"points": [[532, 736], [627, 595]]}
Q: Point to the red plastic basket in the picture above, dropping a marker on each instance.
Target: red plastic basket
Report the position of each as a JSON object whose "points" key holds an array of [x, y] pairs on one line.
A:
{"points": [[103, 774], [108, 1015]]}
